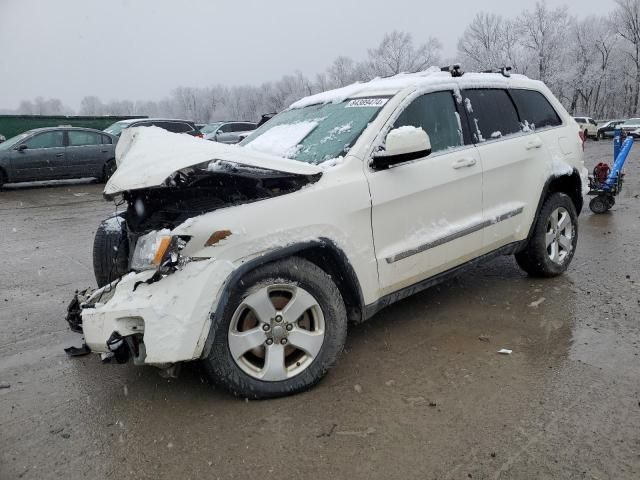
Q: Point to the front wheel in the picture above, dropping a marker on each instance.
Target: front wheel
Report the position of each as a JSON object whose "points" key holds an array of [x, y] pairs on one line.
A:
{"points": [[553, 242], [280, 332], [108, 170]]}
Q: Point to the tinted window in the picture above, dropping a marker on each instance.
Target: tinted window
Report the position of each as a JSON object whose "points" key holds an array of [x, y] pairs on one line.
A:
{"points": [[580, 120], [226, 128], [106, 140], [492, 113], [176, 127], [79, 139], [535, 109], [248, 126], [436, 114], [46, 140]]}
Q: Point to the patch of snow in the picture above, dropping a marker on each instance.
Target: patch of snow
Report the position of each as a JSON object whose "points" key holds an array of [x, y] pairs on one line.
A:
{"points": [[331, 163], [496, 135], [339, 130], [283, 140], [560, 167], [113, 224], [468, 105], [147, 156], [432, 77]]}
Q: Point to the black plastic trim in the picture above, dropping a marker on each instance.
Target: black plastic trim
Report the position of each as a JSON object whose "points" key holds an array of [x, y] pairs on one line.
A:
{"points": [[373, 308]]}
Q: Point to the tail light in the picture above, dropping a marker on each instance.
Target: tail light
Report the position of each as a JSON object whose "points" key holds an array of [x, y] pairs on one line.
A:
{"points": [[200, 135]]}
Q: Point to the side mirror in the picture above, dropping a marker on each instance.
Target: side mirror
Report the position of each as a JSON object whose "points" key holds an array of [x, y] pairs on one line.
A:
{"points": [[402, 145], [22, 147]]}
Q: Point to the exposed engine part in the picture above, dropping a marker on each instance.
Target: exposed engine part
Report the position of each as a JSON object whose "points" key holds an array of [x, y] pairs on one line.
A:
{"points": [[197, 190]]}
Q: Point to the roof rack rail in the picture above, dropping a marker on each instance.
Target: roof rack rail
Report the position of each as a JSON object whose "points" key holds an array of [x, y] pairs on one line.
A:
{"points": [[455, 70], [504, 71]]}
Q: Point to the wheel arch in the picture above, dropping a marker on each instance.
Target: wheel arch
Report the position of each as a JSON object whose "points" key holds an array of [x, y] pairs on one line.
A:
{"points": [[570, 185], [324, 253]]}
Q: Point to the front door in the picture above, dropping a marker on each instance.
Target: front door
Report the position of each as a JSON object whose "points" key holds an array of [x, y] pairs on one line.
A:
{"points": [[427, 214], [41, 157]]}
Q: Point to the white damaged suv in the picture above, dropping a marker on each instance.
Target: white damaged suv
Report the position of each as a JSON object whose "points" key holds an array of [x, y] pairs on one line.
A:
{"points": [[254, 258]]}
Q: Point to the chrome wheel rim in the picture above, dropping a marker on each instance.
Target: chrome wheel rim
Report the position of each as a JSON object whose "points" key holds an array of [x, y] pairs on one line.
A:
{"points": [[559, 236], [276, 332]]}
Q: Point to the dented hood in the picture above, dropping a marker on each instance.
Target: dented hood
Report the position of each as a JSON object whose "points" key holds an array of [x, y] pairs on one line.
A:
{"points": [[147, 156]]}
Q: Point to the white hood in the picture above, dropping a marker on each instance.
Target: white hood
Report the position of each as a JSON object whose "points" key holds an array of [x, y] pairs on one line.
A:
{"points": [[147, 156]]}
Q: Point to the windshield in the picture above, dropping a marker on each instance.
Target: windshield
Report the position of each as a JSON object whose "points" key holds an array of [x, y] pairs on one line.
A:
{"points": [[210, 127], [14, 141], [117, 128], [316, 133]]}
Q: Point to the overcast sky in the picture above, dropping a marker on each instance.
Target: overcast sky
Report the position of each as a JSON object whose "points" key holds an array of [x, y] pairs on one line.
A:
{"points": [[141, 49]]}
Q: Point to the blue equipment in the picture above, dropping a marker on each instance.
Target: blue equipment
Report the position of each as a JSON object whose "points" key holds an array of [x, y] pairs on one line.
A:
{"points": [[606, 182]]}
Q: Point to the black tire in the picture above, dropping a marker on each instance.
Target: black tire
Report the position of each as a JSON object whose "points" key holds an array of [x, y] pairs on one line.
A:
{"points": [[110, 251], [3, 178], [535, 258], [600, 204], [108, 170], [299, 273]]}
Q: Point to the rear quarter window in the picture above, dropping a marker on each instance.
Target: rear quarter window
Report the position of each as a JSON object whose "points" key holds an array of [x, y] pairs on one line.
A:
{"points": [[492, 113], [535, 110]]}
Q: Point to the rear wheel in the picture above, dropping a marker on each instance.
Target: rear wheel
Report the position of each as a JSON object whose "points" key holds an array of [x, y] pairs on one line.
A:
{"points": [[554, 239], [280, 332], [3, 178]]}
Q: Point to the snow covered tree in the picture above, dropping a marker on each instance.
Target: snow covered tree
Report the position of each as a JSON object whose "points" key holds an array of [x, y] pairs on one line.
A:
{"points": [[397, 53]]}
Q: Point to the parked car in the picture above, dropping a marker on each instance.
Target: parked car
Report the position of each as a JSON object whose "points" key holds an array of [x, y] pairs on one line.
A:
{"points": [[631, 127], [589, 126], [606, 129], [228, 132], [254, 258], [57, 153], [170, 125]]}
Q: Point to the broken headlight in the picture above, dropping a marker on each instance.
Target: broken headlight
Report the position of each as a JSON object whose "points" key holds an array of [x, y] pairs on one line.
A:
{"points": [[157, 250]]}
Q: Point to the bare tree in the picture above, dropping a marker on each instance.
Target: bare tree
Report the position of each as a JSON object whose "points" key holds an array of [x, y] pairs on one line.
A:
{"points": [[626, 18], [396, 54], [544, 34]]}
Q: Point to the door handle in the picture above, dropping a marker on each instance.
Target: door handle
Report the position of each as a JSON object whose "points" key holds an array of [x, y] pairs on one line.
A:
{"points": [[535, 143], [464, 163], [59, 155], [105, 151]]}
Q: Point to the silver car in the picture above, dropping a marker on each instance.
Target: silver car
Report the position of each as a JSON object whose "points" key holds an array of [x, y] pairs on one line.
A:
{"points": [[228, 132], [56, 153]]}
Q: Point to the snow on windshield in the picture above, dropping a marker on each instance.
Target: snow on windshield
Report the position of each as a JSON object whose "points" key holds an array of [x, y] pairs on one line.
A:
{"points": [[317, 133], [283, 140]]}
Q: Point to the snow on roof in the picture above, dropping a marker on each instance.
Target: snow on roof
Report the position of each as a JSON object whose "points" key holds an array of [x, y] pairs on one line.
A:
{"points": [[433, 76]]}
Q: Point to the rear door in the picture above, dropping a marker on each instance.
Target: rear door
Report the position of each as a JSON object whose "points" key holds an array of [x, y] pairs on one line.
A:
{"points": [[427, 214], [42, 159], [513, 158], [86, 153]]}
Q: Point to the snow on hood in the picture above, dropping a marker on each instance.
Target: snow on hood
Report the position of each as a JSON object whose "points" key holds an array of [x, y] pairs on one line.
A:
{"points": [[147, 156]]}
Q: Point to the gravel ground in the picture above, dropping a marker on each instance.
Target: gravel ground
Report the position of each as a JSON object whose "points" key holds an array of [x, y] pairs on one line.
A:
{"points": [[419, 393]]}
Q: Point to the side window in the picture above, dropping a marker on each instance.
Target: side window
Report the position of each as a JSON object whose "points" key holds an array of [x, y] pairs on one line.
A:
{"points": [[46, 140], [106, 140], [436, 114], [492, 112], [246, 127], [80, 139], [535, 110], [226, 128]]}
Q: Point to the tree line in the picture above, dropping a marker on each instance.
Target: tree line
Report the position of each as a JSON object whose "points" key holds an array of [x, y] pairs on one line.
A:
{"points": [[592, 65]]}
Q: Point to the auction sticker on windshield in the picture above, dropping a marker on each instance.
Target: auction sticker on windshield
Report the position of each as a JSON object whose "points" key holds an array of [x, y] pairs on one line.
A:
{"points": [[367, 102]]}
